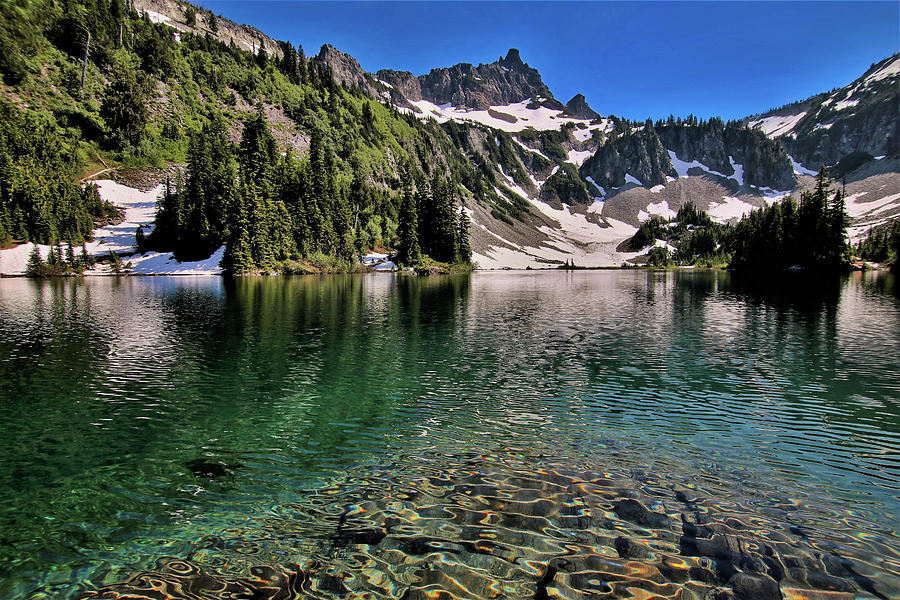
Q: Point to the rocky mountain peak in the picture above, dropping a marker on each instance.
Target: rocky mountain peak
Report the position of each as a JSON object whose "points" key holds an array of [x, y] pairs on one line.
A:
{"points": [[512, 60], [346, 69], [507, 81], [578, 107]]}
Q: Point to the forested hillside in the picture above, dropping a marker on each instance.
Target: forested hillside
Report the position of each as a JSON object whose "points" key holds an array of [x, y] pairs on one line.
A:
{"points": [[281, 159]]}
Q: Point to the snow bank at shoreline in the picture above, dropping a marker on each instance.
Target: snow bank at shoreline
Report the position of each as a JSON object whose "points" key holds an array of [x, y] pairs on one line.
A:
{"points": [[140, 211]]}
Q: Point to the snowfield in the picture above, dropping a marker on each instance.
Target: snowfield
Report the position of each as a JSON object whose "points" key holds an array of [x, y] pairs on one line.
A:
{"points": [[800, 169], [577, 157], [576, 238], [729, 208], [777, 125], [857, 209], [510, 118], [889, 70], [659, 209], [682, 167]]}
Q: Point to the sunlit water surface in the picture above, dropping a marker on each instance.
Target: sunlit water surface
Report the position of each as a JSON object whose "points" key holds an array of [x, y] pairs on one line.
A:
{"points": [[513, 435]]}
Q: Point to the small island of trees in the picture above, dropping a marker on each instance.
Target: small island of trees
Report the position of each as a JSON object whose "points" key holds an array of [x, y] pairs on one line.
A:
{"points": [[809, 235]]}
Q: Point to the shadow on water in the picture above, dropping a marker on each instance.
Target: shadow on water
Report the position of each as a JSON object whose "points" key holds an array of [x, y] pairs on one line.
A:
{"points": [[807, 295]]}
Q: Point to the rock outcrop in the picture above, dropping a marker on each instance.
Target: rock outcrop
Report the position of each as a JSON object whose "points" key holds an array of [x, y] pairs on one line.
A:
{"points": [[175, 15], [636, 153], [579, 108], [345, 68], [721, 147]]}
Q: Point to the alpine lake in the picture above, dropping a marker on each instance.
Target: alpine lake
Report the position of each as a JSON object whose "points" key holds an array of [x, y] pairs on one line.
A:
{"points": [[588, 434]]}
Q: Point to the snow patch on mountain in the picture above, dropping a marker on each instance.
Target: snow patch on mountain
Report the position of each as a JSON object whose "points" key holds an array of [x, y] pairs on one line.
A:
{"points": [[738, 171], [659, 209], [512, 185], [682, 167], [800, 169], [156, 17], [857, 208], [729, 208], [140, 211], [577, 157], [510, 118], [590, 180], [889, 70], [530, 149], [777, 125], [845, 104], [576, 238]]}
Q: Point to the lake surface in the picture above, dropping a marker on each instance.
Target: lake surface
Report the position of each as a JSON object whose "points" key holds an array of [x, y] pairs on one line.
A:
{"points": [[506, 435]]}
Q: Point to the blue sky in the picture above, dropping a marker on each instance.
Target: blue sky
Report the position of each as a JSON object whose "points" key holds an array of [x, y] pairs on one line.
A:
{"points": [[632, 59]]}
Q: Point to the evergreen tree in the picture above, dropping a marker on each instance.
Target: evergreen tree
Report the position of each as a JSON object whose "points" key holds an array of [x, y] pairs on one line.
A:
{"points": [[895, 243], [35, 266], [408, 251], [812, 234], [54, 257], [87, 261], [70, 257], [321, 164], [261, 243], [139, 240], [302, 67], [5, 237], [358, 202], [238, 257], [115, 262], [463, 249], [257, 155], [124, 107]]}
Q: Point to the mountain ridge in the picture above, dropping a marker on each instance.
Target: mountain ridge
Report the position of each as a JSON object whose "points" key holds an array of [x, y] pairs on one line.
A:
{"points": [[544, 182]]}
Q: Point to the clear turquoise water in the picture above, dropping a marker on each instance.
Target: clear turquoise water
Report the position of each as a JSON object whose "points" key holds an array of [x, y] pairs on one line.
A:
{"points": [[781, 409]]}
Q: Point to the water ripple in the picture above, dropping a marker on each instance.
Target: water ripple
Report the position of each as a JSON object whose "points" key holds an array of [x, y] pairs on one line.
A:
{"points": [[593, 434]]}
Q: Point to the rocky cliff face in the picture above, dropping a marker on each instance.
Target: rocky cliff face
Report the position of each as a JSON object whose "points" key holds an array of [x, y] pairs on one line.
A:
{"points": [[565, 187], [721, 148], [403, 85], [507, 81], [345, 68], [639, 154], [174, 14], [861, 117]]}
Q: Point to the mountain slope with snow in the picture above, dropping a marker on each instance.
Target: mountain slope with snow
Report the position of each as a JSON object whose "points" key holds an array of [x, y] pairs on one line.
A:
{"points": [[863, 116]]}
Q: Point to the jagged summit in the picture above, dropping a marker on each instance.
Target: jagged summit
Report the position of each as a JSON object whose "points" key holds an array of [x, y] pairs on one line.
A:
{"points": [[506, 81], [346, 69], [578, 107], [512, 61]]}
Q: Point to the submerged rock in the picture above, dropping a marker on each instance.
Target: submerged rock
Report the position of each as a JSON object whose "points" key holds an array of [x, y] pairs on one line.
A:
{"points": [[634, 511], [755, 587], [201, 467]]}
